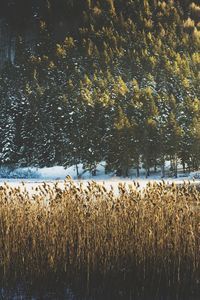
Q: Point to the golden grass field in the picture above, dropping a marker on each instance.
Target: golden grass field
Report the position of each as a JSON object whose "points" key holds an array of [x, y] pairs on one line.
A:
{"points": [[136, 244]]}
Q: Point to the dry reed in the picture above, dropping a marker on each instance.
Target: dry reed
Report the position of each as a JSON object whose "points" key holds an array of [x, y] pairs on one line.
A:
{"points": [[135, 244]]}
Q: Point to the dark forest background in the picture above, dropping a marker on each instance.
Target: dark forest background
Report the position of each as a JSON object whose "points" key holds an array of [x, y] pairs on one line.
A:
{"points": [[85, 81]]}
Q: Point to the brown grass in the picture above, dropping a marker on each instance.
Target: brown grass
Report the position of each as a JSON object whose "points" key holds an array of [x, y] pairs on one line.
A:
{"points": [[131, 245]]}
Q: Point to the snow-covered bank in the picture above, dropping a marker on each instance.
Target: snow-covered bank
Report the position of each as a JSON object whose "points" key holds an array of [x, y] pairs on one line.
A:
{"points": [[33, 177], [53, 173], [60, 173]]}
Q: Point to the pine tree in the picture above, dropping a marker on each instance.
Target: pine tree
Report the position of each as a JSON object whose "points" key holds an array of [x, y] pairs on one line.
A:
{"points": [[9, 150]]}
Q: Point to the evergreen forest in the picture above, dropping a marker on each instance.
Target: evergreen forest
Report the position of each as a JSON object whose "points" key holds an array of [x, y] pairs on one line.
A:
{"points": [[121, 85]]}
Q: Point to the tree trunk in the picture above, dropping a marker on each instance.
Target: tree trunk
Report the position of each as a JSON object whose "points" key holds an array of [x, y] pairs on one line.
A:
{"points": [[193, 164], [94, 171], [183, 164], [119, 172], [171, 164], [163, 168], [137, 171], [155, 167], [175, 166], [77, 171], [147, 171], [189, 166]]}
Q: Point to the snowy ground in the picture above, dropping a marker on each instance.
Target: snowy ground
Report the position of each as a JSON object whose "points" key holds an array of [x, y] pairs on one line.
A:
{"points": [[33, 177], [60, 173]]}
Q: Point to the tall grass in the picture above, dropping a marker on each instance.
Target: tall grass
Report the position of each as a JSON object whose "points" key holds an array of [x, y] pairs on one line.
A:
{"points": [[134, 244]]}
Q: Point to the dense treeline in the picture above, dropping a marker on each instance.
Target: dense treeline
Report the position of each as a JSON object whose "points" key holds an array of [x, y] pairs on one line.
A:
{"points": [[122, 87]]}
